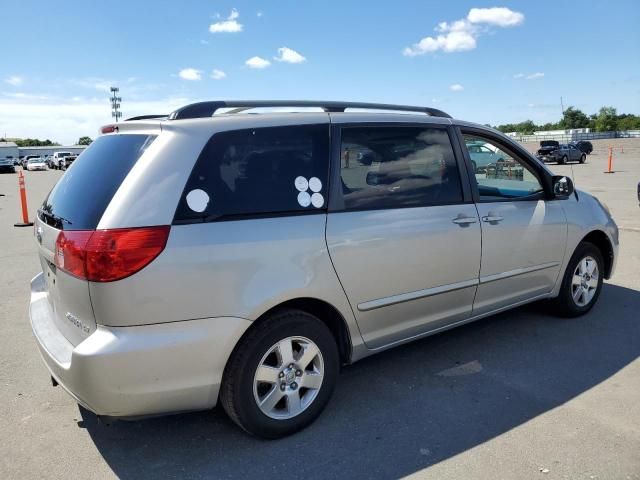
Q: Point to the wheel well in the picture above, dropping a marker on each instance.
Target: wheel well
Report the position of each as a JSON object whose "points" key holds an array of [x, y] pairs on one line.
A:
{"points": [[328, 314], [600, 240]]}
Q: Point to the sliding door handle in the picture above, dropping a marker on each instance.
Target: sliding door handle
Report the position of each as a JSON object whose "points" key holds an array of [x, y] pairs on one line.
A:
{"points": [[492, 219], [464, 220]]}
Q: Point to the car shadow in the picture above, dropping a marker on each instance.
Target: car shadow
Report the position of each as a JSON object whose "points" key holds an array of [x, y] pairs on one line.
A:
{"points": [[403, 410]]}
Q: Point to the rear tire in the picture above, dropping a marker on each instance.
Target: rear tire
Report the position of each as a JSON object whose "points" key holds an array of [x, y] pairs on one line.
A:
{"points": [[581, 283], [280, 375]]}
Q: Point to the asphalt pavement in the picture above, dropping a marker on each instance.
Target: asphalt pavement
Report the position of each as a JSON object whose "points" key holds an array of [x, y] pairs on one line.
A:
{"points": [[519, 395]]}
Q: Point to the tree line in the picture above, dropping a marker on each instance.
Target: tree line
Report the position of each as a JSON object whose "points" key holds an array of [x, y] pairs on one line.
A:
{"points": [[606, 120], [36, 142]]}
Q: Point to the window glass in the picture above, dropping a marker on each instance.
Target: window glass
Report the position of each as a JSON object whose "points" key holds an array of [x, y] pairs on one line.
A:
{"points": [[81, 196], [498, 174], [395, 167], [260, 171]]}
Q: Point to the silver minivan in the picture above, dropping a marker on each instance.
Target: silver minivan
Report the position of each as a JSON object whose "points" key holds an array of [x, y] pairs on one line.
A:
{"points": [[229, 253]]}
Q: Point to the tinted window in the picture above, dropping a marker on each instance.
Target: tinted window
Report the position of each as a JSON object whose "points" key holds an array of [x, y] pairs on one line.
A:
{"points": [[502, 175], [394, 167], [261, 171], [79, 199]]}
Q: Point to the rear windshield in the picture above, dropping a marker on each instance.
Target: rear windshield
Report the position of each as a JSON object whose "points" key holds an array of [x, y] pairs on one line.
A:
{"points": [[79, 199]]}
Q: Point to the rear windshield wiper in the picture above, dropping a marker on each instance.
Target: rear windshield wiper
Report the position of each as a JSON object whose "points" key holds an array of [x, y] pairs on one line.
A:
{"points": [[56, 218]]}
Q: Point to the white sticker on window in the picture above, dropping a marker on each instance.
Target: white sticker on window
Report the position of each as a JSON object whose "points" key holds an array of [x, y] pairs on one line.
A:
{"points": [[317, 200], [304, 199], [315, 184], [197, 200], [301, 184]]}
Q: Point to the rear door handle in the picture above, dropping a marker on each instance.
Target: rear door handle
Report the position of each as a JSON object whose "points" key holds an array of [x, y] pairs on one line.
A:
{"points": [[464, 220], [492, 219]]}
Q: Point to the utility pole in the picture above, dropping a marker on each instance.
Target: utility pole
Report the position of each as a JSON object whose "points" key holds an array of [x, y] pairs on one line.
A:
{"points": [[115, 103], [562, 106]]}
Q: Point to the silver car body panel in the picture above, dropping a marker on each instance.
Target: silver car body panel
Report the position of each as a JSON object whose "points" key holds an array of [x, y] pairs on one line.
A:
{"points": [[158, 341], [406, 271]]}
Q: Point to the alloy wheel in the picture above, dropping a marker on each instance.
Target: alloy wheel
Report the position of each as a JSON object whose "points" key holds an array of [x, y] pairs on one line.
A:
{"points": [[584, 283], [288, 378]]}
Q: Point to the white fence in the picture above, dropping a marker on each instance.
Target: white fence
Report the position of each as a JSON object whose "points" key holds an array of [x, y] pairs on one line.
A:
{"points": [[570, 137]]}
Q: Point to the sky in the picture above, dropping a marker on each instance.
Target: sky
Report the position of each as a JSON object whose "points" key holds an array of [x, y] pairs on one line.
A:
{"points": [[488, 62]]}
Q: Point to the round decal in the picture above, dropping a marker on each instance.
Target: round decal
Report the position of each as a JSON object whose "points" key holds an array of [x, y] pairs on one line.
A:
{"points": [[317, 200], [315, 184], [301, 184], [304, 199], [197, 200]]}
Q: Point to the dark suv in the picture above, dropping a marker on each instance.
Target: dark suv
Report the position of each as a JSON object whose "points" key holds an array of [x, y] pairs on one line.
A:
{"points": [[583, 145]]}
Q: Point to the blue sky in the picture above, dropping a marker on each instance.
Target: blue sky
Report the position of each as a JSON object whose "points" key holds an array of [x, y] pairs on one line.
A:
{"points": [[484, 64]]}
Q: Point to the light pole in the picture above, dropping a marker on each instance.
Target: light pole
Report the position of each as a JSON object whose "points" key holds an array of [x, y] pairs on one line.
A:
{"points": [[115, 103]]}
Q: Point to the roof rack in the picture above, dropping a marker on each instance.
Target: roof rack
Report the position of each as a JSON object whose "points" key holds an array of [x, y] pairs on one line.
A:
{"points": [[145, 117], [207, 109]]}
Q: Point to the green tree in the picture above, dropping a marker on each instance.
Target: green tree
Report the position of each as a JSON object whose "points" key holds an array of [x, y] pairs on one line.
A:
{"points": [[607, 120], [84, 141], [627, 121], [574, 118]]}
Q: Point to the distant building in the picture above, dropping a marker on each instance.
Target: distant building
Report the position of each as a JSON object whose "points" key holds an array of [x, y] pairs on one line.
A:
{"points": [[9, 150], [47, 151], [569, 131]]}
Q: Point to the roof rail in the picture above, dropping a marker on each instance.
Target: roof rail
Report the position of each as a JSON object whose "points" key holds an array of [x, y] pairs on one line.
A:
{"points": [[145, 117], [207, 109]]}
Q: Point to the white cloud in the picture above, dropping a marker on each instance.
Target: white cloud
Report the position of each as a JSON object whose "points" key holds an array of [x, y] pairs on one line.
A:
{"points": [[190, 74], [65, 119], [14, 80], [230, 25], [258, 14], [257, 62], [218, 74], [498, 16], [530, 76], [462, 35], [456, 87], [289, 56]]}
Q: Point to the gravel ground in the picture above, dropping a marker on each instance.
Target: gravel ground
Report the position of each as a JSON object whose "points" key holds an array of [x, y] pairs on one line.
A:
{"points": [[518, 395]]}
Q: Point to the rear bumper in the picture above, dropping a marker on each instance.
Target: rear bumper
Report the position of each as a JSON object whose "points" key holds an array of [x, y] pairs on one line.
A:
{"points": [[137, 371]]}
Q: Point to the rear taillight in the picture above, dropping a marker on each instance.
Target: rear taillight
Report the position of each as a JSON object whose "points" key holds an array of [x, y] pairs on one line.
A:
{"points": [[108, 255]]}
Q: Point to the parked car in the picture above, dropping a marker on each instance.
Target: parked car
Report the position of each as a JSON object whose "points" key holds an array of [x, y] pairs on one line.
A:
{"points": [[583, 146], [482, 155], [57, 159], [36, 164], [67, 161], [27, 159], [6, 164], [562, 153], [247, 273]]}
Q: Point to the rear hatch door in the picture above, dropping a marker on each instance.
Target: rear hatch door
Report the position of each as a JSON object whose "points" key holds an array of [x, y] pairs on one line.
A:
{"points": [[76, 203]]}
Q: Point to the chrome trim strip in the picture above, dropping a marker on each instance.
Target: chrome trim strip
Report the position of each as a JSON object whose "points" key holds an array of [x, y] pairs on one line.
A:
{"points": [[406, 297], [517, 271]]}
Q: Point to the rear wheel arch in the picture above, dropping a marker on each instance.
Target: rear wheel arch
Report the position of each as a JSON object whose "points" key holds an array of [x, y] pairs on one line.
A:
{"points": [[325, 312], [601, 240]]}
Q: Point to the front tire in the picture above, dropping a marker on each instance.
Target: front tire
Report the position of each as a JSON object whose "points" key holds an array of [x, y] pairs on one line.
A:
{"points": [[583, 158], [562, 160], [281, 375], [582, 281]]}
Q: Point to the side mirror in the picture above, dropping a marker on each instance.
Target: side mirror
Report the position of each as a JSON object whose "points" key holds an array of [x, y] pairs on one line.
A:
{"points": [[562, 187]]}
